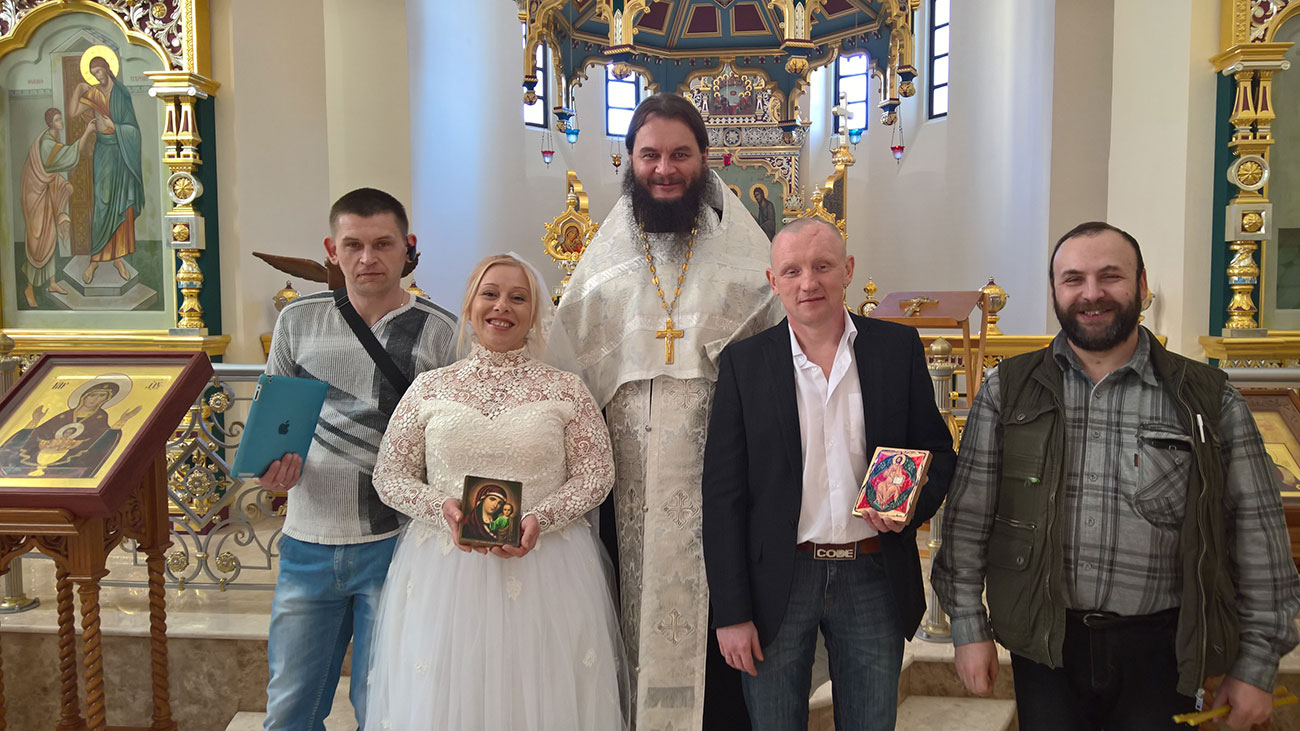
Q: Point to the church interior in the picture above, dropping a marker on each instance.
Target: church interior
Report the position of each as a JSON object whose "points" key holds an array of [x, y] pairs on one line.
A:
{"points": [[952, 142]]}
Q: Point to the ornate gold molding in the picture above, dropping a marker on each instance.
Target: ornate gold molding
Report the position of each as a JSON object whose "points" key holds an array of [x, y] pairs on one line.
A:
{"points": [[177, 32], [621, 15], [796, 27], [568, 234], [35, 342], [1252, 66], [1274, 350], [537, 29]]}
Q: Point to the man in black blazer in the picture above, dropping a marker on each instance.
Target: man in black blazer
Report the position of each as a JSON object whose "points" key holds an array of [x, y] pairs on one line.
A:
{"points": [[799, 410]]}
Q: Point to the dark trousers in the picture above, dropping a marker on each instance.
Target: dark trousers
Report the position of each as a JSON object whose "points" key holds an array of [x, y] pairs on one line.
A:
{"points": [[1119, 673]]}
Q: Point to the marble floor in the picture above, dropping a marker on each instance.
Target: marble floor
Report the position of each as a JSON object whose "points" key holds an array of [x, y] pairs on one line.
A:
{"points": [[218, 662], [340, 718]]}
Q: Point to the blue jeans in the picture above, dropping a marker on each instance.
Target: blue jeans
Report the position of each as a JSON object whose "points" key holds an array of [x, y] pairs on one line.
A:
{"points": [[851, 603], [325, 596]]}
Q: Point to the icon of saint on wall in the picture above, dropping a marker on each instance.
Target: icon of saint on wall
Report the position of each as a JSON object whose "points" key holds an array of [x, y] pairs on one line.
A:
{"points": [[117, 163], [766, 216]]}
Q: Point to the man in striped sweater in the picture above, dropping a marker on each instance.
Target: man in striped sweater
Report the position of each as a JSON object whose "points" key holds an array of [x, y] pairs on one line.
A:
{"points": [[338, 536]]}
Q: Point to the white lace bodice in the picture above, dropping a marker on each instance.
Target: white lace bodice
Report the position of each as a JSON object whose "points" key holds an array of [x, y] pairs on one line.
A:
{"points": [[501, 415]]}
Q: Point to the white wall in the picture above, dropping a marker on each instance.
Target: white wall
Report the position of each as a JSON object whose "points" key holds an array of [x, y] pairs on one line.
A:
{"points": [[367, 102], [479, 185], [272, 155], [302, 117], [1161, 183], [466, 142], [1081, 120], [969, 199]]}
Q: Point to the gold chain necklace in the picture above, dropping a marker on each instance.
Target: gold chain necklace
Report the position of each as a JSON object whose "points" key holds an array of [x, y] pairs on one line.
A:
{"points": [[668, 334]]}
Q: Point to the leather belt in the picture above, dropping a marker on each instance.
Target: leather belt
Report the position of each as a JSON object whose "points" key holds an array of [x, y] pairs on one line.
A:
{"points": [[840, 551], [1098, 620]]}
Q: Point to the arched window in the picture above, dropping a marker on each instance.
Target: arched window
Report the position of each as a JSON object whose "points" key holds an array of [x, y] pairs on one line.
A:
{"points": [[938, 58], [621, 98], [851, 75], [535, 113]]}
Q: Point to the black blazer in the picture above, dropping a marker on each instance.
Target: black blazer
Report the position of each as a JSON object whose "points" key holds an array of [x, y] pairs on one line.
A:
{"points": [[753, 468]]}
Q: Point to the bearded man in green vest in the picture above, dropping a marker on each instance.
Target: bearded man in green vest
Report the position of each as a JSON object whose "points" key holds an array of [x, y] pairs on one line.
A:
{"points": [[1116, 502]]}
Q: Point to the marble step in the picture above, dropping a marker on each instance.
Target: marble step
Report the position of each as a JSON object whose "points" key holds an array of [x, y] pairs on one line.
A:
{"points": [[340, 718], [936, 713]]}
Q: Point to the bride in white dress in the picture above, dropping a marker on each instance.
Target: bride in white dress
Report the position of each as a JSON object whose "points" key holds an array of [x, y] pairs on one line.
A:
{"points": [[512, 638]]}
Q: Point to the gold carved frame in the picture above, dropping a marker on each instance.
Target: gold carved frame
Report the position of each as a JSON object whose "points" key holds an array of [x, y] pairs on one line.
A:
{"points": [[177, 32], [568, 234]]}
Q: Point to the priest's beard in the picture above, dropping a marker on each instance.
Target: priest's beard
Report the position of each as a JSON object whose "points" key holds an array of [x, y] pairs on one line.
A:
{"points": [[1123, 324], [662, 217]]}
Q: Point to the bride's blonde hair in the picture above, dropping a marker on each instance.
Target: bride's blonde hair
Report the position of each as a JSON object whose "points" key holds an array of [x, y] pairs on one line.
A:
{"points": [[535, 339]]}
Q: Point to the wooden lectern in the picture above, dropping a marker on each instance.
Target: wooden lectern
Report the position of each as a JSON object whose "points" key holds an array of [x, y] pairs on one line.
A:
{"points": [[83, 465], [945, 310]]}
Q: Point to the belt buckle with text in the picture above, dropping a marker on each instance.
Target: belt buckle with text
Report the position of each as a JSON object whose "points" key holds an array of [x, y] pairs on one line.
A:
{"points": [[835, 554]]}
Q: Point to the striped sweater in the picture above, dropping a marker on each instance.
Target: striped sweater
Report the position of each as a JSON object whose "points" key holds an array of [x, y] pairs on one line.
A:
{"points": [[334, 502]]}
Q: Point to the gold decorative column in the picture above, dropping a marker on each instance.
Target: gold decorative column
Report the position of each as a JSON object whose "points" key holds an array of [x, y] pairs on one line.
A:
{"points": [[180, 91], [899, 73], [536, 17], [1248, 221]]}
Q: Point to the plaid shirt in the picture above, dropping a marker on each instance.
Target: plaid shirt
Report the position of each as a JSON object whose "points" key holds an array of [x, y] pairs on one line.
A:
{"points": [[1129, 460]]}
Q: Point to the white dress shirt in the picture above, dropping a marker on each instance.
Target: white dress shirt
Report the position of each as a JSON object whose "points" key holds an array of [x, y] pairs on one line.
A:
{"points": [[833, 441]]}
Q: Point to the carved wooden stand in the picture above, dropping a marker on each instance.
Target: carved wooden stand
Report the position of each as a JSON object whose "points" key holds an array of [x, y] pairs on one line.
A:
{"points": [[79, 547]]}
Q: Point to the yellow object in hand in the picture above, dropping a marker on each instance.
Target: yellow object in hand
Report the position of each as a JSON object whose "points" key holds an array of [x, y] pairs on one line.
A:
{"points": [[1281, 697]]}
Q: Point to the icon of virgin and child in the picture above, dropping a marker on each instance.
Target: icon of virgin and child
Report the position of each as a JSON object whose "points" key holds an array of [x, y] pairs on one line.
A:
{"points": [[491, 520], [72, 443]]}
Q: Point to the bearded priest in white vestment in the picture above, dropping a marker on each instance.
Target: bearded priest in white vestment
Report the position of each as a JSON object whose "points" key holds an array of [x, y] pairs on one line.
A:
{"points": [[676, 272]]}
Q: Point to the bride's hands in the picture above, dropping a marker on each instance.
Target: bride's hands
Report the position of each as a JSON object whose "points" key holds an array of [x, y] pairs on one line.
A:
{"points": [[527, 540], [451, 513]]}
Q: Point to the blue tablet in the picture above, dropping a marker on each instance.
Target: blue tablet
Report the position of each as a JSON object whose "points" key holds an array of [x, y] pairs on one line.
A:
{"points": [[282, 420]]}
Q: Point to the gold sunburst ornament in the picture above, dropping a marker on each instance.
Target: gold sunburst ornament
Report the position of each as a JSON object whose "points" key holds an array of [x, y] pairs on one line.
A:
{"points": [[94, 52]]}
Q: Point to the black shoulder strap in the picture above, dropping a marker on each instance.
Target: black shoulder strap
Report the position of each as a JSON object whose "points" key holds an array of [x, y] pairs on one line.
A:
{"points": [[382, 359]]}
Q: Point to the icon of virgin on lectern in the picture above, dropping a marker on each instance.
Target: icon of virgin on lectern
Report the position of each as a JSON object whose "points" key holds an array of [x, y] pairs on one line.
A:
{"points": [[73, 443]]}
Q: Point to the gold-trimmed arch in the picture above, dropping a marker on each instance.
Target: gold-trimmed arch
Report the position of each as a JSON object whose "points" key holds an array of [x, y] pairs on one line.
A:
{"points": [[641, 70], [1275, 23], [25, 28]]}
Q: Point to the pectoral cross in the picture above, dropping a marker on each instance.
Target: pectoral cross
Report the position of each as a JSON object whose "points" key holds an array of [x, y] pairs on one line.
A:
{"points": [[668, 335], [913, 306]]}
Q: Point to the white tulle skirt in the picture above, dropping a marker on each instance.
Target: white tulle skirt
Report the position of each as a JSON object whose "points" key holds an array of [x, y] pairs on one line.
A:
{"points": [[473, 642]]}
